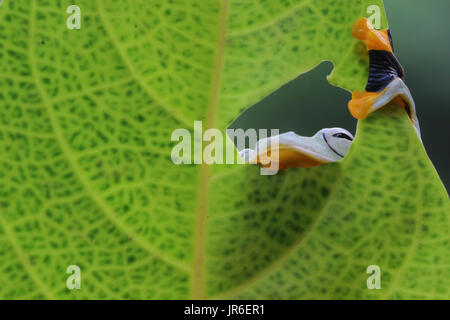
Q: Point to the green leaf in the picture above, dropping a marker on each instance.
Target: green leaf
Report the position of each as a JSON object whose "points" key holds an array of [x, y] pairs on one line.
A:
{"points": [[86, 176], [312, 233]]}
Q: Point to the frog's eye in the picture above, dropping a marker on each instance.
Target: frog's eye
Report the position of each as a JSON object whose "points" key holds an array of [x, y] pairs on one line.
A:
{"points": [[337, 140], [342, 136]]}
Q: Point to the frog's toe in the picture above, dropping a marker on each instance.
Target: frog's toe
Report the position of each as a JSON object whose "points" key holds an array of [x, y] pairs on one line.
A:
{"points": [[374, 39], [361, 29]]}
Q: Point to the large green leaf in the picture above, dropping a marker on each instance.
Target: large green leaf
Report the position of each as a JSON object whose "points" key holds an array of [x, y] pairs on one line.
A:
{"points": [[86, 177], [312, 233]]}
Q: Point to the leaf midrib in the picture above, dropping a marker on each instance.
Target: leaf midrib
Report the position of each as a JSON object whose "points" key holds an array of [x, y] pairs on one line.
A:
{"points": [[198, 291]]}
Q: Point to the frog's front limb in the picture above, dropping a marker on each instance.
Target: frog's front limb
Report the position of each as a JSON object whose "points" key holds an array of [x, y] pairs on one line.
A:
{"points": [[364, 103], [294, 151]]}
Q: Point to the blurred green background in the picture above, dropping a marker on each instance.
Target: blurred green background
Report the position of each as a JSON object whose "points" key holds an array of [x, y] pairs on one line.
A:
{"points": [[421, 33]]}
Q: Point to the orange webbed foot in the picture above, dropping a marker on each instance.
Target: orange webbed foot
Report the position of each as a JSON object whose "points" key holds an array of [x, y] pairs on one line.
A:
{"points": [[361, 103], [374, 39]]}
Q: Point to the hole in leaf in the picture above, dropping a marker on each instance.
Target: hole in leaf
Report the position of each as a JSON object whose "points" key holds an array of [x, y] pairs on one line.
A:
{"points": [[305, 105]]}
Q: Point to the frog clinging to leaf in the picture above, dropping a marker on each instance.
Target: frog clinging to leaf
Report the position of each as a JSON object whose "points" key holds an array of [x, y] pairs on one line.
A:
{"points": [[385, 84]]}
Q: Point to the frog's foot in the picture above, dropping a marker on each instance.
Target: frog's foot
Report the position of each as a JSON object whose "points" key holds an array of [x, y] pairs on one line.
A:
{"points": [[361, 104], [374, 39], [290, 150]]}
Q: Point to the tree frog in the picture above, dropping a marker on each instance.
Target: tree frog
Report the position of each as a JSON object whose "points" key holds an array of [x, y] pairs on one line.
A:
{"points": [[294, 151], [385, 83], [386, 75]]}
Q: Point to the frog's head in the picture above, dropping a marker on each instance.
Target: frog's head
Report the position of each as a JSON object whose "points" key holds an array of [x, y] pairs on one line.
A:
{"points": [[294, 151], [336, 140]]}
